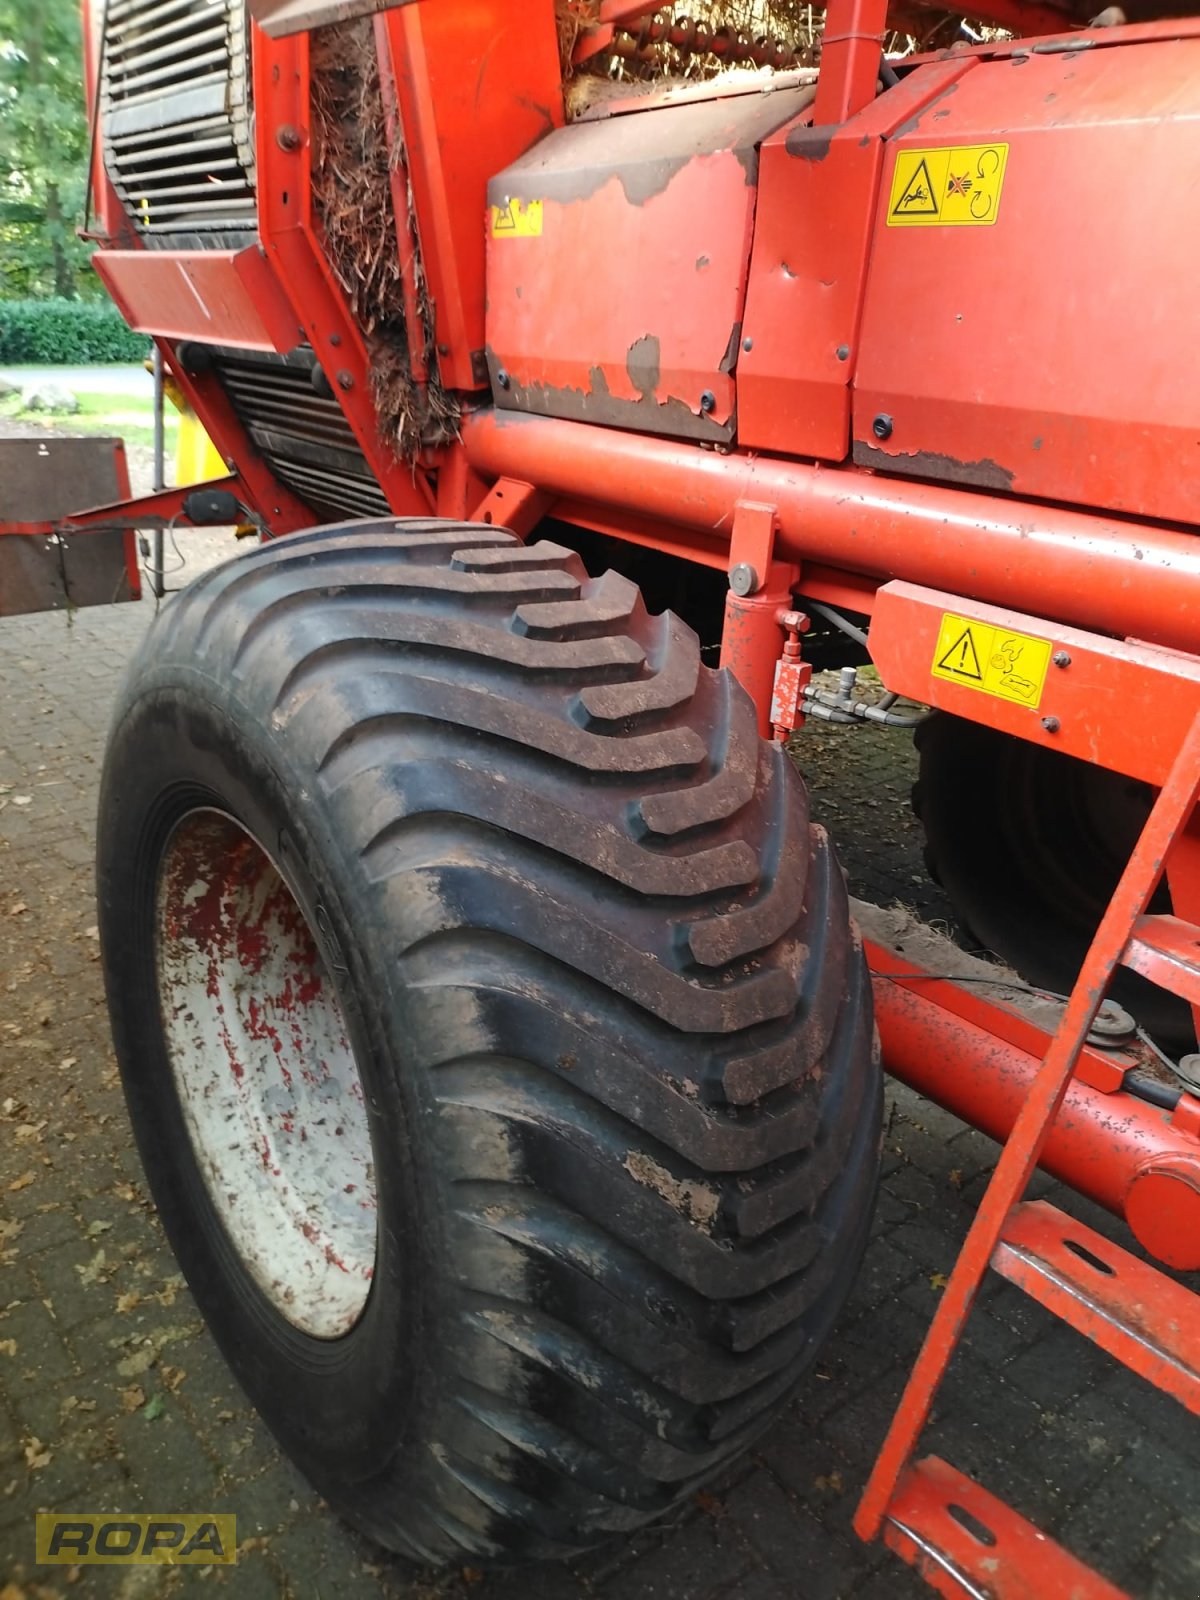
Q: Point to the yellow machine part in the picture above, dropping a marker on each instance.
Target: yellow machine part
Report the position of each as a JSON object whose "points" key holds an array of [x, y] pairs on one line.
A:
{"points": [[196, 456]]}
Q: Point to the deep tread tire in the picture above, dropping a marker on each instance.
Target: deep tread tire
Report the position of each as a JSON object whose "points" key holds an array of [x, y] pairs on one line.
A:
{"points": [[612, 1018], [1028, 844]]}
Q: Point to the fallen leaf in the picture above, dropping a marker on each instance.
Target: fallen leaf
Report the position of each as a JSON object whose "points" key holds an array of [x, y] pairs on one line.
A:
{"points": [[91, 933], [94, 1271], [126, 1302], [133, 1398], [172, 1377], [938, 1280], [22, 799], [472, 1575], [831, 1482], [67, 1061], [36, 1454], [154, 1409], [22, 1182], [140, 1361], [97, 1227], [955, 1179], [10, 1228], [8, 1347], [17, 907], [709, 1503]]}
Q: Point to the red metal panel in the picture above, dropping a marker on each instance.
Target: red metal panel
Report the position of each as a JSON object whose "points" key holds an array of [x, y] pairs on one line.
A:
{"points": [[476, 85], [1041, 353], [228, 297], [812, 231], [966, 1544], [1122, 705], [625, 308]]}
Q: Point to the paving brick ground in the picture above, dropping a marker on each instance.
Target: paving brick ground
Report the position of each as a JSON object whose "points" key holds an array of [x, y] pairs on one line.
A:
{"points": [[113, 1398]]}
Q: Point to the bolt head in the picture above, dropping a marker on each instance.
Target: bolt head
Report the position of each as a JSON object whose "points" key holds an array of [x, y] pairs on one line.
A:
{"points": [[1061, 658], [287, 137], [747, 344], [345, 381], [503, 379], [882, 426], [1051, 724], [743, 579], [708, 401], [843, 352]]}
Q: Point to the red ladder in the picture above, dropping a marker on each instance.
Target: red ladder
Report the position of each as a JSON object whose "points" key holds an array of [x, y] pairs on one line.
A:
{"points": [[965, 1542]]}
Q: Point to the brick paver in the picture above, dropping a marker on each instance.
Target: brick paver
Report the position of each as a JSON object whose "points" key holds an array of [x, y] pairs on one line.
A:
{"points": [[112, 1396]]}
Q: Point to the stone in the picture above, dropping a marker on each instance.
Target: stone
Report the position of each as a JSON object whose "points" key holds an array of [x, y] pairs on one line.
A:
{"points": [[46, 395]]}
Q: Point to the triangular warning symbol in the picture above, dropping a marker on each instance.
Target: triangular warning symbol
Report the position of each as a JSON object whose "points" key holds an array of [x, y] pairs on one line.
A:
{"points": [[503, 220], [961, 658], [917, 198]]}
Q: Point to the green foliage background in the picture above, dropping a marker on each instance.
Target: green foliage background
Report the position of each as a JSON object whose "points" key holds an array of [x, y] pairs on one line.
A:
{"points": [[43, 151], [66, 333]]}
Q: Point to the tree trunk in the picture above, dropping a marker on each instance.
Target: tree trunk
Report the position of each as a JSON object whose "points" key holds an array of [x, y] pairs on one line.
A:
{"points": [[64, 276]]}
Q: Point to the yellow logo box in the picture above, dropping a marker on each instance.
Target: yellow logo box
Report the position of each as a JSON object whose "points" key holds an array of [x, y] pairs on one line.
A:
{"points": [[103, 1539]]}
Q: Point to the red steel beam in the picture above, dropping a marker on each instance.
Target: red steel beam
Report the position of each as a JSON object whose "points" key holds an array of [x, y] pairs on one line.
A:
{"points": [[851, 50], [1100, 572], [957, 1050]]}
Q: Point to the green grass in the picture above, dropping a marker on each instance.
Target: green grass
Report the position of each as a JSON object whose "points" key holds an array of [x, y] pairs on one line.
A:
{"points": [[125, 416]]}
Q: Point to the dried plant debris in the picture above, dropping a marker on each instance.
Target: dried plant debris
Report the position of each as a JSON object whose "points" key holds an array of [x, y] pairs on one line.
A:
{"points": [[352, 182]]}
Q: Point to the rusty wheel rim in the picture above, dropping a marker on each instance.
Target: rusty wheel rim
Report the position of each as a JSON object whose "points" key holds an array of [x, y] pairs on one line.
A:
{"points": [[266, 1075]]}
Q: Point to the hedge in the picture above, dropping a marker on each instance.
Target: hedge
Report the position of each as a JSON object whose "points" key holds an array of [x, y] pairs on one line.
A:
{"points": [[67, 333]]}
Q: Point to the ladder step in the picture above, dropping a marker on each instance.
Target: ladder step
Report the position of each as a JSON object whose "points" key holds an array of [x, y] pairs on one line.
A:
{"points": [[968, 1545], [1167, 951], [1135, 1313]]}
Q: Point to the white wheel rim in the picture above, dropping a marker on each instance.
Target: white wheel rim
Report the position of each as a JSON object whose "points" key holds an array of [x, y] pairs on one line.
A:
{"points": [[266, 1076]]}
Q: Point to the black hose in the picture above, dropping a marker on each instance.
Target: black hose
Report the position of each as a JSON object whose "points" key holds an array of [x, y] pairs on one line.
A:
{"points": [[1153, 1092]]}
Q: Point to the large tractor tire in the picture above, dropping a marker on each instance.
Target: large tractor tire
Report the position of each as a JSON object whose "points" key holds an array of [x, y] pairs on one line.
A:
{"points": [[495, 1036], [1029, 844]]}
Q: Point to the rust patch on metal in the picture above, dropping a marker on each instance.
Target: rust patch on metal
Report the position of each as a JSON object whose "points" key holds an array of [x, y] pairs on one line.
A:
{"points": [[810, 144], [644, 365], [647, 414], [983, 474], [574, 162], [914, 122], [729, 360]]}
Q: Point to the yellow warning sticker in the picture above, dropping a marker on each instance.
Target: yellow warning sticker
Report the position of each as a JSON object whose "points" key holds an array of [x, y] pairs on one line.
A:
{"points": [[977, 656], [947, 188], [517, 219]]}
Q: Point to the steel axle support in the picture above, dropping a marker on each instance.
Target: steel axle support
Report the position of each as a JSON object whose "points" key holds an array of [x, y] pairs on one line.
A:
{"points": [[950, 1045], [1097, 572]]}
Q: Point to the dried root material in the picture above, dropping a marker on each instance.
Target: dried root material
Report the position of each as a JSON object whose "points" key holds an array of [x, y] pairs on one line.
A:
{"points": [[352, 196]]}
